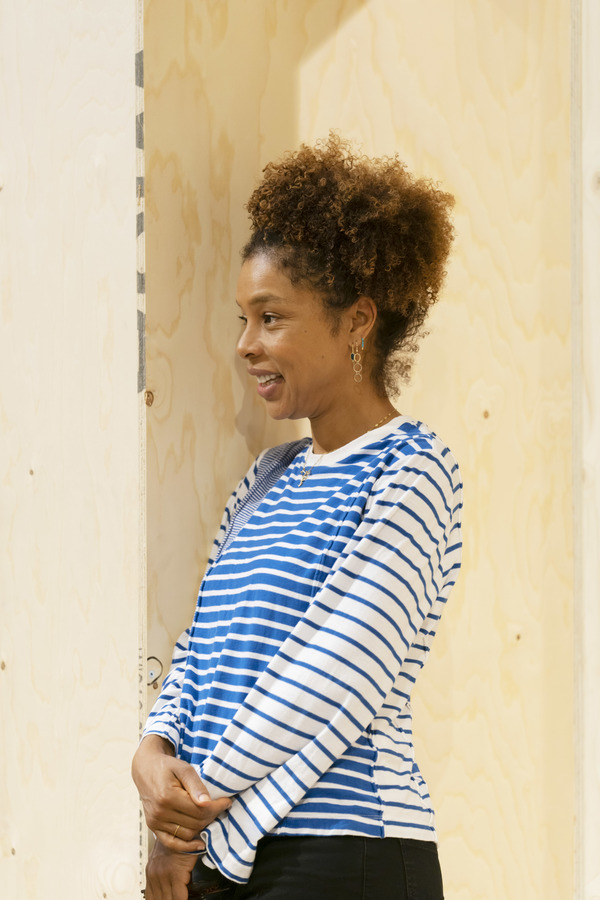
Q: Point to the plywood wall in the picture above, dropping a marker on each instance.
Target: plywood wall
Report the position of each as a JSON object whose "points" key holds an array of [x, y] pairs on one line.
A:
{"points": [[475, 94], [586, 281], [69, 460]]}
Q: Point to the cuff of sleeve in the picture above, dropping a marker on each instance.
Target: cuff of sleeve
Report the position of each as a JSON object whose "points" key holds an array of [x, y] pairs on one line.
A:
{"points": [[164, 730], [231, 839]]}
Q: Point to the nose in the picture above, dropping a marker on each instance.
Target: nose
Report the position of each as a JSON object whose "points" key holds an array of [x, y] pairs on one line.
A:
{"points": [[248, 345]]}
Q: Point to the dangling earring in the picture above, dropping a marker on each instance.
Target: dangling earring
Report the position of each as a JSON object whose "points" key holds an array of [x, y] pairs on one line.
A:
{"points": [[356, 357]]}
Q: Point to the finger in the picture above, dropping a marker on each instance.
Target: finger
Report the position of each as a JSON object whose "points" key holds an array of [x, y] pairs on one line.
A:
{"points": [[205, 812], [184, 834], [213, 808], [208, 812], [178, 845], [191, 782], [173, 797], [164, 818], [183, 807]]}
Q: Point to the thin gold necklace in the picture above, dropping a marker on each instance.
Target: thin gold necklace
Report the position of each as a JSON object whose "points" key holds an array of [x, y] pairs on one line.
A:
{"points": [[381, 421], [304, 472]]}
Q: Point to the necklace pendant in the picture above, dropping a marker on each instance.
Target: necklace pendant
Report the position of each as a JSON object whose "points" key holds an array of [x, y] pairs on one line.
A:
{"points": [[303, 476]]}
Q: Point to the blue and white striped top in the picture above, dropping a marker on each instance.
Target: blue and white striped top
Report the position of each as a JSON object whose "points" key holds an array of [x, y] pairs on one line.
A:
{"points": [[291, 690]]}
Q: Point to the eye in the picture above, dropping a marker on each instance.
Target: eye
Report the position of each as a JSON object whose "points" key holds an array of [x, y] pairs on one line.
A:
{"points": [[243, 319], [269, 318]]}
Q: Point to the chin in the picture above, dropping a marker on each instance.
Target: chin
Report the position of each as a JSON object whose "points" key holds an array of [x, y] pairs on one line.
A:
{"points": [[277, 414], [280, 415]]}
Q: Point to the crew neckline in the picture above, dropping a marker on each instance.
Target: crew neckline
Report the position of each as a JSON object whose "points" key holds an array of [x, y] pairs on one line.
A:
{"points": [[363, 440]]}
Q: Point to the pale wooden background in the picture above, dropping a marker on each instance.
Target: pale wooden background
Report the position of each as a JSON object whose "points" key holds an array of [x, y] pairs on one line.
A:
{"points": [[69, 462], [586, 449], [475, 94]]}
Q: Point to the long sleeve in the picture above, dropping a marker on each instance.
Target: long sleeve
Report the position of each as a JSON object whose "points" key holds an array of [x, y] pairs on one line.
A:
{"points": [[164, 718], [332, 673]]}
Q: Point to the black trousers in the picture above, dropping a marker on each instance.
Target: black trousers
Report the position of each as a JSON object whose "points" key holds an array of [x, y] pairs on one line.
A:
{"points": [[331, 868]]}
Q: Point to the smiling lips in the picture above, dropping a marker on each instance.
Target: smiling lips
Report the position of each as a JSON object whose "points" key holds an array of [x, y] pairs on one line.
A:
{"points": [[268, 383]]}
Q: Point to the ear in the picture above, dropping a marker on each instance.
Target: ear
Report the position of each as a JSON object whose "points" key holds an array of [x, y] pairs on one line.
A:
{"points": [[363, 318]]}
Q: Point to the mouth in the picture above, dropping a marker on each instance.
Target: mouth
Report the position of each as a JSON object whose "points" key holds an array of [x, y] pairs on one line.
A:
{"points": [[267, 379], [268, 384]]}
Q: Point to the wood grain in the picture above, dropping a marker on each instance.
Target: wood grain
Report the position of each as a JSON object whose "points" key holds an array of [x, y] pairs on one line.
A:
{"points": [[69, 466], [475, 94], [587, 443]]}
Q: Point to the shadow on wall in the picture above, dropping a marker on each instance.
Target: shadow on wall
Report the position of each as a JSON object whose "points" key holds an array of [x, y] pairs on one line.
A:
{"points": [[221, 89], [223, 85], [285, 37]]}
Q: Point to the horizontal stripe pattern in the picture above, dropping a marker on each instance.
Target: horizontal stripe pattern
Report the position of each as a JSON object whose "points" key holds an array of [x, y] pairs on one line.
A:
{"points": [[291, 690]]}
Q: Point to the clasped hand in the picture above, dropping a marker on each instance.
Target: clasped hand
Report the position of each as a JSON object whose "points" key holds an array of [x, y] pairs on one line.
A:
{"points": [[177, 807], [176, 804]]}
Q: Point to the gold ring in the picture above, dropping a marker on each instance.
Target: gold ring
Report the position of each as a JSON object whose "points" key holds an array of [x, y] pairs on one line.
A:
{"points": [[177, 827]]}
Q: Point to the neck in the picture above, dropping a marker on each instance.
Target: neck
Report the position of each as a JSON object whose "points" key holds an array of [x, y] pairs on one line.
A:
{"points": [[343, 423]]}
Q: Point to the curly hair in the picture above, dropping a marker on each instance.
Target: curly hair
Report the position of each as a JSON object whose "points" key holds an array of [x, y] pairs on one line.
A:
{"points": [[351, 226]]}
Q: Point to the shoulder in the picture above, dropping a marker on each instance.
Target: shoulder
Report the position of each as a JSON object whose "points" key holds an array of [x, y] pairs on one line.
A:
{"points": [[415, 458], [413, 440]]}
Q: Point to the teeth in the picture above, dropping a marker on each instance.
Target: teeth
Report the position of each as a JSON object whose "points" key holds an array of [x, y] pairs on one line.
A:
{"points": [[264, 379]]}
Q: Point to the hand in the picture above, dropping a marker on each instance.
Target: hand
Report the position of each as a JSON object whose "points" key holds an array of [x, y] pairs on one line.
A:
{"points": [[168, 874], [173, 796]]}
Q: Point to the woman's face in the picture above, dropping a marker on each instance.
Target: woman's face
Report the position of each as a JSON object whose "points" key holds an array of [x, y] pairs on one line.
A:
{"points": [[302, 369]]}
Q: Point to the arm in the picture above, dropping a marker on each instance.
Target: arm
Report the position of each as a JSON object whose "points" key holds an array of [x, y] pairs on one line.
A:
{"points": [[172, 794], [262, 475], [163, 720], [333, 672]]}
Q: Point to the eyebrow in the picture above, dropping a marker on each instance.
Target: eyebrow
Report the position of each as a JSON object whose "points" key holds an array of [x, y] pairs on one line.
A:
{"points": [[265, 298]]}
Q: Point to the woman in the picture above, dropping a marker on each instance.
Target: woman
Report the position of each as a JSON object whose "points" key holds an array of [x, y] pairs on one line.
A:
{"points": [[278, 760]]}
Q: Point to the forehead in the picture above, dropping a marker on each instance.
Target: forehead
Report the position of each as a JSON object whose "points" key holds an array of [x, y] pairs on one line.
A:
{"points": [[261, 279]]}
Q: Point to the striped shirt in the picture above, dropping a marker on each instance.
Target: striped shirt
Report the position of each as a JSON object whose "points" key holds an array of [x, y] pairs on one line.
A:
{"points": [[291, 690]]}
